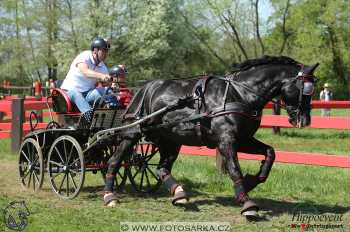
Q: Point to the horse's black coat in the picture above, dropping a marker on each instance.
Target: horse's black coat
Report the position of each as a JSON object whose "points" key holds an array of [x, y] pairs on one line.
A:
{"points": [[256, 82]]}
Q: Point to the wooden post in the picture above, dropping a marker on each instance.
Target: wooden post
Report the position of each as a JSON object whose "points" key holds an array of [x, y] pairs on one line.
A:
{"points": [[17, 123], [220, 166], [276, 110]]}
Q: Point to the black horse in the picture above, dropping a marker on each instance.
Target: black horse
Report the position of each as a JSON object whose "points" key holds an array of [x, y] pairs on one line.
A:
{"points": [[218, 112]]}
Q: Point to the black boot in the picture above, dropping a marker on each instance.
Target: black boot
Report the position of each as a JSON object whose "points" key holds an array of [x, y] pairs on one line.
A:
{"points": [[86, 119]]}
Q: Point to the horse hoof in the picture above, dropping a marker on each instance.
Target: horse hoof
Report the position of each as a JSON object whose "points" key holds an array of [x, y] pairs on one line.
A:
{"points": [[180, 201], [250, 208], [180, 196], [110, 200], [112, 204], [250, 213]]}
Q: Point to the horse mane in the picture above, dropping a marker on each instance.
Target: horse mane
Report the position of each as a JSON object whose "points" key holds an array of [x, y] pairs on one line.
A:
{"points": [[263, 61]]}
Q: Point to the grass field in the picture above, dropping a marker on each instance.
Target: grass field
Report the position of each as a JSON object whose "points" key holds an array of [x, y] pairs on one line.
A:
{"points": [[323, 189]]}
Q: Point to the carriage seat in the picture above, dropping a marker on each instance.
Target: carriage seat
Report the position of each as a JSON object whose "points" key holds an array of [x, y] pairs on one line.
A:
{"points": [[61, 103]]}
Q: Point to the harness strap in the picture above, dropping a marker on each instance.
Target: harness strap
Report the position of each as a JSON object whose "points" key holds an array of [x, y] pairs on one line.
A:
{"points": [[235, 107], [174, 123]]}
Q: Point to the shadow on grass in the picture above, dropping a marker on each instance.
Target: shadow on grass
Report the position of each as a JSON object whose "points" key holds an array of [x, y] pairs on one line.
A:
{"points": [[276, 208], [270, 207]]}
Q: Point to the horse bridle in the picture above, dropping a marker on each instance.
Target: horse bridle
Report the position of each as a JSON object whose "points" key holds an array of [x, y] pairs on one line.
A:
{"points": [[304, 82], [306, 86]]}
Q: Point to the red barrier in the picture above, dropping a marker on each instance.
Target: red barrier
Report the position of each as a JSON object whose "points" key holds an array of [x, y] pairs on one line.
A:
{"points": [[339, 123], [281, 156], [316, 104], [30, 104]]}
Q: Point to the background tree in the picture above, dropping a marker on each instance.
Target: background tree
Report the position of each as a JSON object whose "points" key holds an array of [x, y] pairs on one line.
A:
{"points": [[173, 39]]}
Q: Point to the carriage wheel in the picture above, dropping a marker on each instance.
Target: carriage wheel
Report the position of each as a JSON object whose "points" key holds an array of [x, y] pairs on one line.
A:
{"points": [[31, 165], [121, 176], [142, 168], [66, 167]]}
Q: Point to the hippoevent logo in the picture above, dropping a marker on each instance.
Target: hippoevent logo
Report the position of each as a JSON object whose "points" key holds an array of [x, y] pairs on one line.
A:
{"points": [[16, 215], [307, 217]]}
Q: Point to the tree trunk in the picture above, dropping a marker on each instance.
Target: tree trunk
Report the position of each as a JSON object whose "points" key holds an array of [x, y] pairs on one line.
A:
{"points": [[52, 35], [285, 34], [257, 29], [337, 61], [30, 41], [72, 27], [19, 49]]}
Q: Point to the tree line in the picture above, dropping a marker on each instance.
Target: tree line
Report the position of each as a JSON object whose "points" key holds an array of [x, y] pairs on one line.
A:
{"points": [[173, 39]]}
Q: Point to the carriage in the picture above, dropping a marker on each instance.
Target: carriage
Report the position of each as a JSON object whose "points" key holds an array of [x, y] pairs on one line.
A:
{"points": [[66, 149]]}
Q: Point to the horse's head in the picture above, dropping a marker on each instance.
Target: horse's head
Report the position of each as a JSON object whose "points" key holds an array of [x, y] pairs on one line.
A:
{"points": [[297, 94]]}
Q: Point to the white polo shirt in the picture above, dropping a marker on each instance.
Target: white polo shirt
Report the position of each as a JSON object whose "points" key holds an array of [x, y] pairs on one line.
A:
{"points": [[75, 80]]}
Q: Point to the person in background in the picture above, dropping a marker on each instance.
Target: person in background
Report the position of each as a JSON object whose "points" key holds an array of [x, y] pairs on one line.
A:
{"points": [[85, 71], [326, 95]]}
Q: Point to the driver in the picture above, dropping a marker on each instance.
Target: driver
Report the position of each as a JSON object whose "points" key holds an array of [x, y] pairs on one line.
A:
{"points": [[86, 69]]}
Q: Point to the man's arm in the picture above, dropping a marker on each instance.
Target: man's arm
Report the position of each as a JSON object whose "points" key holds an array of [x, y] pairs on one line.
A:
{"points": [[84, 69]]}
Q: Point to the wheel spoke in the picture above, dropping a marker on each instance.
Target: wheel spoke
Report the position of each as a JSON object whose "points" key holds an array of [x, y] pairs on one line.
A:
{"points": [[57, 164], [25, 175], [29, 153], [154, 150], [25, 156], [36, 177], [70, 154], [120, 174], [142, 152], [149, 157], [147, 148], [59, 189], [67, 185], [73, 181], [30, 178], [147, 179], [154, 175], [36, 158], [136, 173], [141, 182], [65, 149], [59, 154], [34, 180], [70, 165]]}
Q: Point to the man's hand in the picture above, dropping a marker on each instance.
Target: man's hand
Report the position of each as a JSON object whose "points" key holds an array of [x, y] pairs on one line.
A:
{"points": [[106, 78]]}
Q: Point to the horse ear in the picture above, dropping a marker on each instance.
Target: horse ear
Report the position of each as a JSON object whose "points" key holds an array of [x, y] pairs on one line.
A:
{"points": [[308, 70]]}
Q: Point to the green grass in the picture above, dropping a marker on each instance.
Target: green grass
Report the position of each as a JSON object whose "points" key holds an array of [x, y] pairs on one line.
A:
{"points": [[327, 141], [288, 187]]}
